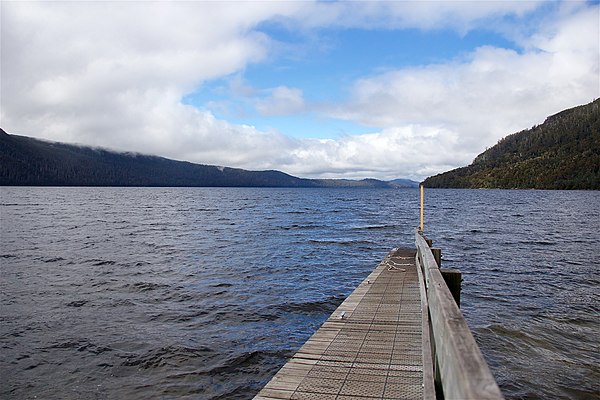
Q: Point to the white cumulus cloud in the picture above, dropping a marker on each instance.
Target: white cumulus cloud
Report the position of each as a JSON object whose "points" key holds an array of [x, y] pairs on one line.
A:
{"points": [[489, 93], [282, 101], [114, 74]]}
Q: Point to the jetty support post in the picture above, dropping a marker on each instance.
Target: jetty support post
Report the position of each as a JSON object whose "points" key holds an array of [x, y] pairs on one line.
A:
{"points": [[452, 277], [437, 254]]}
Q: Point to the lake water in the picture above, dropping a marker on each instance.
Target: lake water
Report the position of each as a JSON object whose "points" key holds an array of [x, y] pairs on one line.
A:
{"points": [[144, 293]]}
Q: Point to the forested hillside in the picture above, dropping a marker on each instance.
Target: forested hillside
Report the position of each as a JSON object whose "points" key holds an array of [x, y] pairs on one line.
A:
{"points": [[561, 153], [25, 161]]}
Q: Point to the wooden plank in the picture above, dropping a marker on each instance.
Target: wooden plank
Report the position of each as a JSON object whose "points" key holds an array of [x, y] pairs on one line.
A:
{"points": [[463, 370]]}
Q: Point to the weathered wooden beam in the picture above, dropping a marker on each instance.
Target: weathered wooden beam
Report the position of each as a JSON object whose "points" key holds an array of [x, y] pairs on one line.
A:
{"points": [[429, 381]]}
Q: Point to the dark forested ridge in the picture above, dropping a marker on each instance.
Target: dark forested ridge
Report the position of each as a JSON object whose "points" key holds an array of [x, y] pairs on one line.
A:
{"points": [[25, 161], [561, 153]]}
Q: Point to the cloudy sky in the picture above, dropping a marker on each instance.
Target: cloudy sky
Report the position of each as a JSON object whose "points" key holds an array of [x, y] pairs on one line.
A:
{"points": [[316, 89]]}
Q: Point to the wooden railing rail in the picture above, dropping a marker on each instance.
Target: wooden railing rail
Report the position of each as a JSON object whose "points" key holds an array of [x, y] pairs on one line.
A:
{"points": [[461, 369]]}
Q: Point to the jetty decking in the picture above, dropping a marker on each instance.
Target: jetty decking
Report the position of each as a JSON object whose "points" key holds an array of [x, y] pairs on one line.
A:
{"points": [[371, 347], [399, 335]]}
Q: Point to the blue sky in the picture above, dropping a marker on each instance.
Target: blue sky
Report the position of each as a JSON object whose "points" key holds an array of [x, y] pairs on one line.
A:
{"points": [[316, 89], [325, 66]]}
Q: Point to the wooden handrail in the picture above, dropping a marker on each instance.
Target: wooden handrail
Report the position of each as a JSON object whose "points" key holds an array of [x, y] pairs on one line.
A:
{"points": [[463, 372]]}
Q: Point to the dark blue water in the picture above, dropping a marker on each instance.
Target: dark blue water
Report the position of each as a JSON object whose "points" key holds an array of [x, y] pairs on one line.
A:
{"points": [[204, 293]]}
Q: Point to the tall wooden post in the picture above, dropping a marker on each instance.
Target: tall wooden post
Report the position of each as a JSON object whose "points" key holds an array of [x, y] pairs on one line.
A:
{"points": [[421, 225]]}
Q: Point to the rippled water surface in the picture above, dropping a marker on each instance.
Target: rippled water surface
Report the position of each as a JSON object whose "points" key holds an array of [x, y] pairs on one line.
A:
{"points": [[204, 292]]}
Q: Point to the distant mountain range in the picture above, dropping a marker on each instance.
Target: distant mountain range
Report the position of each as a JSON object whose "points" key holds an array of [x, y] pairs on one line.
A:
{"points": [[561, 153], [26, 161]]}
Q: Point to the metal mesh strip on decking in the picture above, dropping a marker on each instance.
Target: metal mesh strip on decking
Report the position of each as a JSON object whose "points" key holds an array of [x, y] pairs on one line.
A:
{"points": [[371, 347]]}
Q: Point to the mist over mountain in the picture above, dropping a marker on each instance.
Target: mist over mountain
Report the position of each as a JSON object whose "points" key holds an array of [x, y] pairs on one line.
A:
{"points": [[561, 153], [26, 161]]}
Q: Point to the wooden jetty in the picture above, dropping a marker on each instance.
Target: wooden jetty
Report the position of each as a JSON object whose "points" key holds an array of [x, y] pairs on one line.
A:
{"points": [[399, 335]]}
